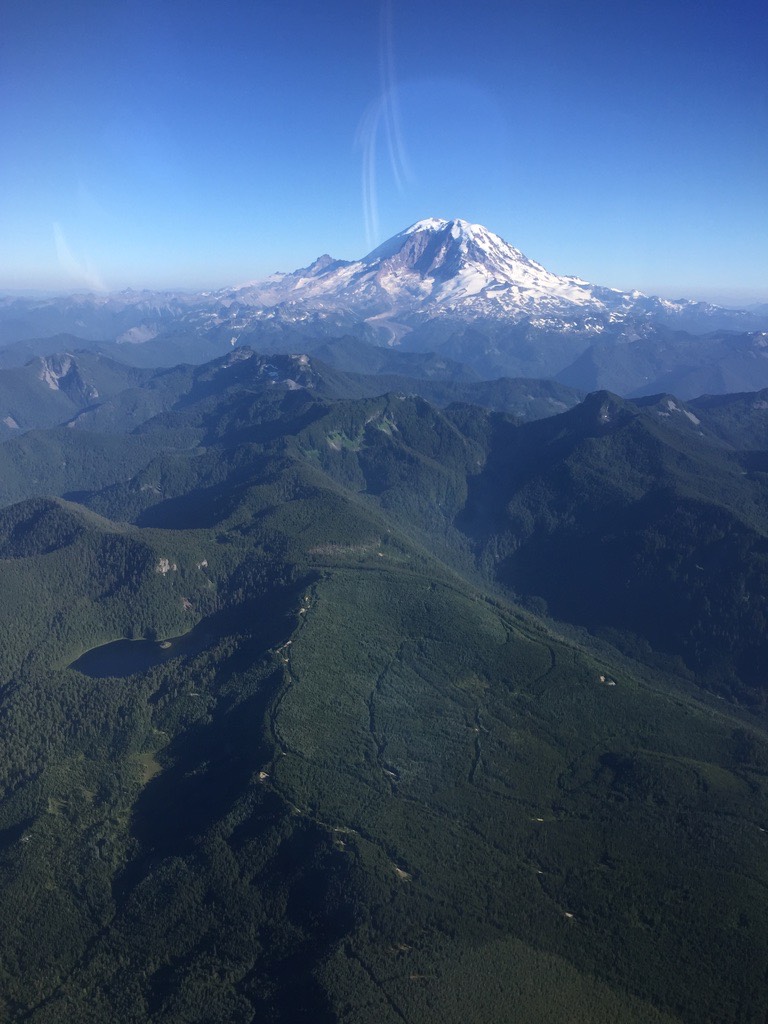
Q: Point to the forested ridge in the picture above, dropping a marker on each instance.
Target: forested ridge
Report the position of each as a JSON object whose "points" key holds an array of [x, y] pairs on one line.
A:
{"points": [[438, 715]]}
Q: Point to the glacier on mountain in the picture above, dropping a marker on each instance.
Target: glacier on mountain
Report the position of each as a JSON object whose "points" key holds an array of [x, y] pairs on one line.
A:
{"points": [[443, 269]]}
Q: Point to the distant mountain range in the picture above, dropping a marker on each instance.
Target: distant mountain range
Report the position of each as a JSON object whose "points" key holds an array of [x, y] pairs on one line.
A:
{"points": [[443, 286]]}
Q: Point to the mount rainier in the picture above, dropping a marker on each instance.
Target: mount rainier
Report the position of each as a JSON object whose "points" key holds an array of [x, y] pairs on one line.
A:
{"points": [[448, 269]]}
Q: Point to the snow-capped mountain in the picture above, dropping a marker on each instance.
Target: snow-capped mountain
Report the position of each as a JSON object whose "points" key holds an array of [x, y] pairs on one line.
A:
{"points": [[445, 268], [435, 266], [435, 270]]}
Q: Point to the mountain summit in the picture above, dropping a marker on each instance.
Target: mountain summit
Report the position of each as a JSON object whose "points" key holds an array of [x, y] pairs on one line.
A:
{"points": [[445, 249], [438, 269], [461, 264], [434, 267]]}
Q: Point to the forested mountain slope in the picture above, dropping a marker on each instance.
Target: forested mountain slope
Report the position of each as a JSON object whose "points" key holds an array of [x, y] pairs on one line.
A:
{"points": [[338, 775], [85, 390]]}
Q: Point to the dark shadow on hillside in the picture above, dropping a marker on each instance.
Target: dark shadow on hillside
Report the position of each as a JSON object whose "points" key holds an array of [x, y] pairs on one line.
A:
{"points": [[212, 770], [248, 418], [210, 764], [199, 509]]}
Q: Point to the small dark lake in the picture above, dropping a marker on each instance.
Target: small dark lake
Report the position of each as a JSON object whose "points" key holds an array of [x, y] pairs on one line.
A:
{"points": [[124, 657]]}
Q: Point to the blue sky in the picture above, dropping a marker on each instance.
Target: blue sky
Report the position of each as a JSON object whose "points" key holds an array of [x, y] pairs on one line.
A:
{"points": [[174, 144]]}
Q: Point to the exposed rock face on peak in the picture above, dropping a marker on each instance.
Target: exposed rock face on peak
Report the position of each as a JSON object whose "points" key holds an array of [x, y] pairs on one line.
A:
{"points": [[61, 373], [444, 248], [470, 269]]}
